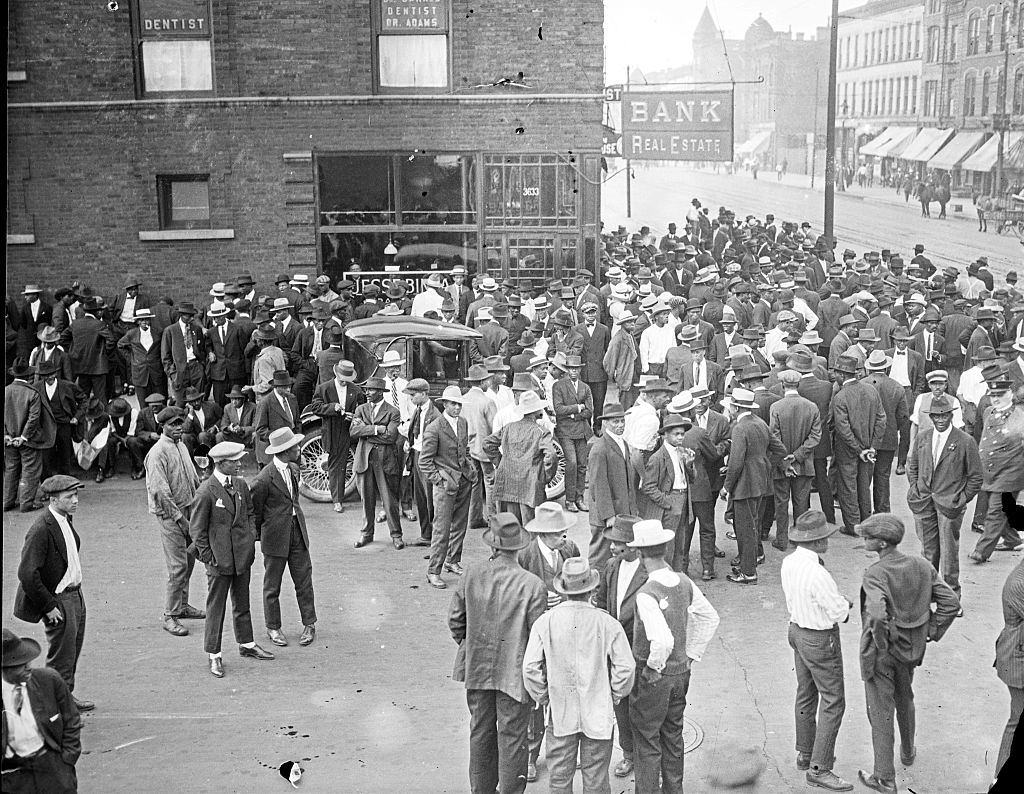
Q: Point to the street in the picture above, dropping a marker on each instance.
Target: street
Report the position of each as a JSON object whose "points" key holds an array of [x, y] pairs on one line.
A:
{"points": [[371, 707], [865, 219]]}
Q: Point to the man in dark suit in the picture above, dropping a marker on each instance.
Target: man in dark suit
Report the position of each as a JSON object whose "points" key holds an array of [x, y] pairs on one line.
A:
{"points": [[595, 343], [894, 403], [335, 401], [928, 341], [201, 419], [50, 580], [140, 348], [125, 307], [445, 464], [614, 481], [183, 352], [281, 531], [495, 338], [378, 461], [276, 409], [620, 602], [33, 314], [238, 421], [908, 370], [223, 532], [41, 726], [227, 360], [795, 425], [818, 392], [147, 432], [90, 342], [573, 405], [703, 373], [424, 412], [944, 472], [664, 494], [285, 324], [65, 400], [29, 430]]}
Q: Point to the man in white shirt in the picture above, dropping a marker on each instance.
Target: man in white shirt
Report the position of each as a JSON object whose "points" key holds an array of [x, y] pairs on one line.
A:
{"points": [[656, 340], [972, 385], [815, 608], [776, 338], [643, 420], [431, 298]]}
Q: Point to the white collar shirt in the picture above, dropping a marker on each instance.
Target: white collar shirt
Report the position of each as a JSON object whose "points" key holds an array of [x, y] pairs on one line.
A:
{"points": [[900, 371], [700, 374], [128, 312], [286, 475], [51, 389], [73, 575], [453, 422], [627, 570], [23, 737], [655, 342], [939, 442], [812, 597], [34, 308], [552, 558], [679, 480], [146, 337], [186, 331]]}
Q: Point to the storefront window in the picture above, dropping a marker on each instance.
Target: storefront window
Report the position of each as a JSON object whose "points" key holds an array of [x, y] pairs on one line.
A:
{"points": [[531, 258], [438, 189], [347, 254], [530, 190], [174, 46], [356, 190]]}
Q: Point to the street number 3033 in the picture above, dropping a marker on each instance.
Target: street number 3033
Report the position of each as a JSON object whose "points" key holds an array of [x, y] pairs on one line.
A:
{"points": [[531, 191]]}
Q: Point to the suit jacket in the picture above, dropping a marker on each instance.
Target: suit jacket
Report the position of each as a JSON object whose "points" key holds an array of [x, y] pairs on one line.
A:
{"points": [[142, 301], [595, 344], [367, 417], [883, 325], [719, 349], [222, 527], [27, 414], [952, 481], [271, 416], [607, 595], [915, 369], [172, 351], [444, 459], [620, 360], [494, 342], [748, 473], [938, 342], [286, 335], [229, 364], [858, 418], [273, 507], [570, 421], [494, 605], [44, 562], [658, 480], [66, 400], [336, 425], [532, 560], [146, 365], [521, 453], [614, 482], [146, 426], [795, 425], [245, 417], [1009, 662], [716, 380], [894, 403], [89, 342], [55, 712], [27, 327], [820, 393], [212, 414]]}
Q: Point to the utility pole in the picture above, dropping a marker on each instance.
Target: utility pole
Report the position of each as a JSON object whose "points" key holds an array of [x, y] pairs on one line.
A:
{"points": [[629, 167], [1003, 121], [830, 130]]}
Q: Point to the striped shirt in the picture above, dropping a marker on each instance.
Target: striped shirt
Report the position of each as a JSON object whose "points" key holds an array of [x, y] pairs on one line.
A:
{"points": [[812, 597]]}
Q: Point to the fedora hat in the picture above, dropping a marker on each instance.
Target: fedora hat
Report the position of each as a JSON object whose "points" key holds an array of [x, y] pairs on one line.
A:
{"points": [[902, 334], [549, 518], [495, 364], [530, 403], [626, 316], [48, 334], [673, 421], [20, 368], [811, 338], [984, 313], [657, 385], [867, 335], [576, 577], [281, 378], [523, 381], [235, 394], [941, 405], [119, 407], [31, 289], [266, 334], [217, 309], [452, 394], [612, 411], [477, 372], [846, 364], [94, 408], [847, 319], [621, 529], [749, 373], [686, 333], [681, 403], [877, 361], [18, 650], [345, 371], [392, 358], [281, 304], [186, 307], [488, 284], [217, 290], [144, 314], [743, 398], [375, 384], [281, 439], [650, 533], [811, 526], [299, 280], [505, 533], [48, 367], [527, 339]]}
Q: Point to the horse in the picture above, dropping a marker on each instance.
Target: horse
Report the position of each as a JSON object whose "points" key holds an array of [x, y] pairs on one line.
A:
{"points": [[941, 194], [924, 195]]}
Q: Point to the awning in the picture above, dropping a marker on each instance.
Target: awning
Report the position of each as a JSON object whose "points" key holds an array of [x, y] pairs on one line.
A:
{"points": [[957, 150], [984, 160], [758, 142], [926, 144], [901, 137], [887, 139]]}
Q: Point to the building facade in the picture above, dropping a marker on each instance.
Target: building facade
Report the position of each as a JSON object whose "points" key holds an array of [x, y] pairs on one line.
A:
{"points": [[187, 140]]}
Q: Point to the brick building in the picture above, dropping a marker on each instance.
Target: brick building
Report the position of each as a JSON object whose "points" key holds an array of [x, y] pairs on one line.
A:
{"points": [[186, 140]]}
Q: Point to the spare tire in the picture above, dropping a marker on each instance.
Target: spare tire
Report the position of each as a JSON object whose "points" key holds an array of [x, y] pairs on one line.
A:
{"points": [[313, 482]]}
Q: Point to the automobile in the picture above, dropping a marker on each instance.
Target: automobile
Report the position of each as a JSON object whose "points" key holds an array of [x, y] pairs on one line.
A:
{"points": [[421, 341]]}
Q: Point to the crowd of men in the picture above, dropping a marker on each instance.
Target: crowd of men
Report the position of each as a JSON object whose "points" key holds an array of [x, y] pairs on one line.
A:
{"points": [[742, 360]]}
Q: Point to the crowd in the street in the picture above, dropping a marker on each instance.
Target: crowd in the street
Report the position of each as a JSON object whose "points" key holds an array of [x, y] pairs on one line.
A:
{"points": [[740, 360]]}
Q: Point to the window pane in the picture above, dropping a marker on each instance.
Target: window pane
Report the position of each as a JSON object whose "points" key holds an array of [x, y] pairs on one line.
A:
{"points": [[355, 190], [438, 189], [413, 61], [190, 201], [348, 253], [177, 66]]}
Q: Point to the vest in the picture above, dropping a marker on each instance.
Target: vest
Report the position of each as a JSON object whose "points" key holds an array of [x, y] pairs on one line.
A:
{"points": [[678, 601]]}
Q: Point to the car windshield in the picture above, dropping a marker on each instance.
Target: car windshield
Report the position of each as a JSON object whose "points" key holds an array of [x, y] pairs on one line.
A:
{"points": [[433, 351]]}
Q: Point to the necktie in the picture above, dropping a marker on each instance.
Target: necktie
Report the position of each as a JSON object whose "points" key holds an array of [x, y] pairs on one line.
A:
{"points": [[394, 392], [188, 338], [316, 344], [222, 335], [19, 698], [228, 486], [936, 448], [287, 408]]}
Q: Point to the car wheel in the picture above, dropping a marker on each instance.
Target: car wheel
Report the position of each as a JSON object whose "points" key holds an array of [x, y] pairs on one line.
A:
{"points": [[313, 482], [556, 482]]}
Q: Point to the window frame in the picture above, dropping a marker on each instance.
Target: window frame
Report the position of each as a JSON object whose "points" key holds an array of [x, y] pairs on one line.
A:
{"points": [[376, 32], [138, 62], [165, 204], [974, 33], [970, 97]]}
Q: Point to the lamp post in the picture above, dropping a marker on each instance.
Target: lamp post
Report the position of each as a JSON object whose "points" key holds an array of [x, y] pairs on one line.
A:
{"points": [[830, 129]]}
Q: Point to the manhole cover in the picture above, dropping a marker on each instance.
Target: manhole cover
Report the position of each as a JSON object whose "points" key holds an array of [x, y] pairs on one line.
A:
{"points": [[693, 735]]}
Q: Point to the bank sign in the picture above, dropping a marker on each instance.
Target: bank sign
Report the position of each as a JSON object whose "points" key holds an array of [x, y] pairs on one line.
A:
{"points": [[414, 16], [677, 125]]}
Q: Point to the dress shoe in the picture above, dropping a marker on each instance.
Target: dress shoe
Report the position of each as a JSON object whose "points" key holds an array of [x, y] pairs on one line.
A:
{"points": [[172, 626], [436, 581], [398, 543], [531, 772], [719, 553], [739, 578], [731, 535], [1002, 545], [421, 542], [255, 652], [707, 575], [454, 567], [83, 705], [803, 761], [191, 613], [979, 528], [478, 526], [217, 667], [363, 541], [100, 477], [582, 505], [975, 557], [381, 516], [876, 783], [408, 515], [277, 637], [308, 635], [826, 779], [901, 470], [571, 507], [138, 475], [623, 768], [338, 508], [735, 561], [907, 758]]}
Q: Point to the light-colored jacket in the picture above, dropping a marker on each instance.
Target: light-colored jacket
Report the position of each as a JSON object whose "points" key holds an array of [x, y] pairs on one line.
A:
{"points": [[578, 662]]}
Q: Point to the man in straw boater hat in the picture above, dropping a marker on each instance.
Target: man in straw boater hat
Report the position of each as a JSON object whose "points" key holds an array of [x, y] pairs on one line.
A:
{"points": [[576, 642], [281, 531], [171, 484], [816, 607], [223, 533], [141, 350], [493, 608], [335, 402], [42, 726], [674, 624], [897, 621]]}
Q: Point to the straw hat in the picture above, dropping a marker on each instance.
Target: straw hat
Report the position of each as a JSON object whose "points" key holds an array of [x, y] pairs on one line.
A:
{"points": [[549, 518]]}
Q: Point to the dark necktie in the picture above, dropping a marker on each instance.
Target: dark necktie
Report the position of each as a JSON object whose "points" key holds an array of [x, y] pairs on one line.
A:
{"points": [[19, 698], [228, 486]]}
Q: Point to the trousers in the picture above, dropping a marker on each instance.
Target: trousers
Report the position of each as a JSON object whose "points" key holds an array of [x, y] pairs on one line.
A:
{"points": [[423, 490], [820, 695], [703, 519], [854, 486], [180, 563], [790, 489], [656, 710], [625, 727], [65, 640], [823, 485], [497, 742], [46, 773], [996, 526], [1016, 707], [218, 587], [594, 757], [57, 459], [300, 566], [523, 512], [451, 519], [940, 542], [192, 376], [600, 548], [481, 505], [746, 513], [677, 519], [880, 479], [23, 469], [598, 389], [372, 482], [337, 468], [575, 451], [904, 428], [891, 689]]}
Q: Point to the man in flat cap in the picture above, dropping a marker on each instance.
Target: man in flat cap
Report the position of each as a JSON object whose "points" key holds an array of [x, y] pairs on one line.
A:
{"points": [[897, 621], [50, 580]]}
